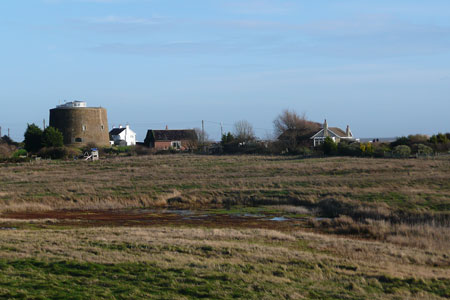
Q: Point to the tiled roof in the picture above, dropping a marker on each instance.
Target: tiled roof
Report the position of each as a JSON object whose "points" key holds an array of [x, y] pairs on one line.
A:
{"points": [[173, 135]]}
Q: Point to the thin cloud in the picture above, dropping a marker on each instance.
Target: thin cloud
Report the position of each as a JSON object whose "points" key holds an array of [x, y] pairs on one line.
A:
{"points": [[119, 24], [126, 20], [259, 6]]}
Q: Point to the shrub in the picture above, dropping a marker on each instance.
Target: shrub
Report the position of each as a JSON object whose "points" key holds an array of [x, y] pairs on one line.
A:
{"points": [[402, 151], [20, 153], [6, 139], [33, 138], [418, 138], [353, 149], [424, 149], [52, 137], [329, 146], [440, 138], [142, 150], [305, 151], [59, 152], [366, 149], [381, 150], [117, 150], [401, 141]]}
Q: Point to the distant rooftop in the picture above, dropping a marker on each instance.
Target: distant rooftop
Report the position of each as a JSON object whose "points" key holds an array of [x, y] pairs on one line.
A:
{"points": [[72, 104]]}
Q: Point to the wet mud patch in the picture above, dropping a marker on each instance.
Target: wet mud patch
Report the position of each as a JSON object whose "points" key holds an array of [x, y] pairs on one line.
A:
{"points": [[150, 217]]}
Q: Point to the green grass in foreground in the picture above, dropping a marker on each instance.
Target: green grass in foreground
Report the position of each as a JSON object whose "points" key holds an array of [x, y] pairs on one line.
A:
{"points": [[33, 279]]}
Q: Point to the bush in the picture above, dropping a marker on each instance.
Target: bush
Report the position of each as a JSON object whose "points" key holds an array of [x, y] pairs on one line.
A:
{"points": [[381, 150], [402, 151], [59, 152], [20, 153], [52, 137], [366, 149], [401, 141], [346, 149], [424, 150], [117, 150], [6, 139], [305, 151], [142, 150], [329, 146], [33, 138], [440, 138]]}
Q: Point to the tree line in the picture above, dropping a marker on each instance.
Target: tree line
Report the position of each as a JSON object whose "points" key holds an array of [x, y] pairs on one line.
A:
{"points": [[292, 133]]}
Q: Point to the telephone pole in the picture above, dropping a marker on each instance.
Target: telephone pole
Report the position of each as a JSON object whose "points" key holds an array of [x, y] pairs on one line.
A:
{"points": [[221, 130], [0, 131], [203, 131], [8, 133], [44, 124]]}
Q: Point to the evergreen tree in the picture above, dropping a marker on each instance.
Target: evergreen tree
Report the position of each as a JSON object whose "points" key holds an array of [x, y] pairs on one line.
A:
{"points": [[52, 137], [33, 138]]}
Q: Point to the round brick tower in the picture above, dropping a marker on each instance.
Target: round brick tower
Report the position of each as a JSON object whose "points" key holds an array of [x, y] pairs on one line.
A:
{"points": [[81, 125]]}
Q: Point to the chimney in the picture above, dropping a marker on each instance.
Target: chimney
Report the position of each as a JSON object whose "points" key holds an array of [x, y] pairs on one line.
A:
{"points": [[167, 127], [120, 126], [348, 132], [325, 128], [128, 126]]}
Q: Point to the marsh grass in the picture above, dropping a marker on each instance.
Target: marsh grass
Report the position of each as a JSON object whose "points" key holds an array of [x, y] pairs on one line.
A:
{"points": [[193, 180], [192, 263]]}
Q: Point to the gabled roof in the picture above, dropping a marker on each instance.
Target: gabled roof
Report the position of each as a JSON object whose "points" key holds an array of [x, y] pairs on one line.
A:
{"points": [[332, 131], [172, 135], [116, 131]]}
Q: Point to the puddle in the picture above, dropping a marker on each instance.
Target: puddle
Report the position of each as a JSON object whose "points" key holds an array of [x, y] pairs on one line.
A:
{"points": [[253, 215], [279, 219], [179, 212], [8, 228], [321, 219], [196, 217]]}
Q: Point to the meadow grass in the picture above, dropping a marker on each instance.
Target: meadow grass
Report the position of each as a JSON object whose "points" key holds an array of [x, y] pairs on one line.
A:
{"points": [[195, 180], [193, 263], [371, 229]]}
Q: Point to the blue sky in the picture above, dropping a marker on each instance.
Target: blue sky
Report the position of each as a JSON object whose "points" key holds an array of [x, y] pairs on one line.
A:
{"points": [[383, 67]]}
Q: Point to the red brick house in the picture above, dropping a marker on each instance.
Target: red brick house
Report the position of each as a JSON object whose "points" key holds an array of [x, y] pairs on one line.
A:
{"points": [[181, 139]]}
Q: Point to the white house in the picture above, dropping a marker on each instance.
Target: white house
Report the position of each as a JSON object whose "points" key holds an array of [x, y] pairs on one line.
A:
{"points": [[122, 136], [336, 134]]}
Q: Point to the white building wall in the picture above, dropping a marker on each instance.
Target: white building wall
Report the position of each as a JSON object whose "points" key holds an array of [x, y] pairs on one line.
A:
{"points": [[127, 135]]}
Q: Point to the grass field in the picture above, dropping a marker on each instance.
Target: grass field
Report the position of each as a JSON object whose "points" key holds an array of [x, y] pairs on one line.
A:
{"points": [[420, 185], [348, 228]]}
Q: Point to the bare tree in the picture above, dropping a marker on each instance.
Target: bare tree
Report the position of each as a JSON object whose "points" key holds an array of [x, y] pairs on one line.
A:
{"points": [[293, 128], [243, 131], [290, 120], [202, 137]]}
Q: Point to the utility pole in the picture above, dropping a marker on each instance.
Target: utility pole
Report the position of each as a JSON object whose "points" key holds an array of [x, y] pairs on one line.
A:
{"points": [[8, 133], [203, 131], [44, 124], [0, 131], [203, 136], [221, 130]]}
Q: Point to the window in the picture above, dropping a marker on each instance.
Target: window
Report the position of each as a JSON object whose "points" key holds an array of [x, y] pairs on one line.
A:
{"points": [[176, 145], [102, 127], [79, 140], [84, 127]]}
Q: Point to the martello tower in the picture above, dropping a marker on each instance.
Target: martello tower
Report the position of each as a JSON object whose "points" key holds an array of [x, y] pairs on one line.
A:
{"points": [[81, 125]]}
